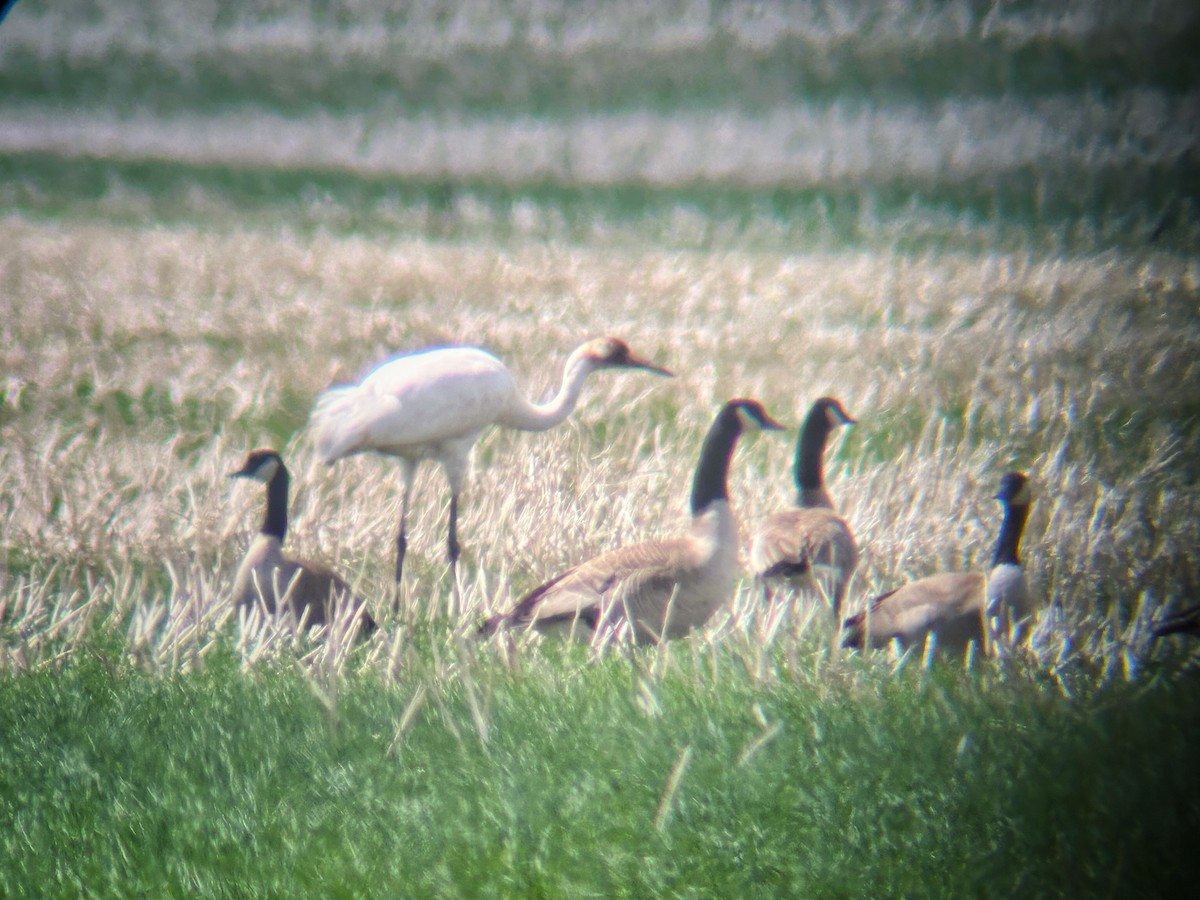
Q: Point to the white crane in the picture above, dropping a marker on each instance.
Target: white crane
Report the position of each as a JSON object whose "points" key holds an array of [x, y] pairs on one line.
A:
{"points": [[433, 404]]}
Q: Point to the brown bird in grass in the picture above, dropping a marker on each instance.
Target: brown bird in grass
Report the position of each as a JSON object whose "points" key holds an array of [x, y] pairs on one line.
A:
{"points": [[266, 575], [954, 607], [799, 546], [659, 589]]}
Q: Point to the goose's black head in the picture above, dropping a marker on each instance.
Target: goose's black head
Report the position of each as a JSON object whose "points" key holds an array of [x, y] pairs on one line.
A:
{"points": [[1016, 496], [748, 415], [260, 465], [1014, 490], [834, 413], [267, 466], [735, 418], [825, 415]]}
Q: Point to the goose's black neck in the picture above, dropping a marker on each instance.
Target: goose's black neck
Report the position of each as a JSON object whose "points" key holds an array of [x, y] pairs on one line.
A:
{"points": [[276, 521], [810, 451], [712, 471], [1009, 545]]}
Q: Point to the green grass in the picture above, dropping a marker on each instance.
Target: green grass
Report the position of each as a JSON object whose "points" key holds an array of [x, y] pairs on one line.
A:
{"points": [[222, 782]]}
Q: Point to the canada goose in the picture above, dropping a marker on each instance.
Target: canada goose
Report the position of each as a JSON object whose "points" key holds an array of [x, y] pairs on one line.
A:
{"points": [[1186, 621], [796, 545], [955, 606], [433, 404], [267, 572], [664, 588]]}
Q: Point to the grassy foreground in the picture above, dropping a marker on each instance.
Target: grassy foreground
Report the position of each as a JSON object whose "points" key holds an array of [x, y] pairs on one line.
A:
{"points": [[579, 780], [153, 742]]}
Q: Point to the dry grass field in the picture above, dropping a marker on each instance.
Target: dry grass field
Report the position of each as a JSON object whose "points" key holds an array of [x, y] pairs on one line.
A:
{"points": [[141, 364]]}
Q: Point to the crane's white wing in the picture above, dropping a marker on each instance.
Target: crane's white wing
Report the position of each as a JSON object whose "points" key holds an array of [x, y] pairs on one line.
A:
{"points": [[415, 399]]}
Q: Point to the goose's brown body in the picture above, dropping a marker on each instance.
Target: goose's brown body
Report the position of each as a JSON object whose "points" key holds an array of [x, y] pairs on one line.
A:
{"points": [[810, 547], [658, 590], [662, 589], [303, 590], [955, 607], [267, 575]]}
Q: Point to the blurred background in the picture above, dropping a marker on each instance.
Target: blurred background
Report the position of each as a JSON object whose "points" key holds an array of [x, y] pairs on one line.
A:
{"points": [[910, 124]]}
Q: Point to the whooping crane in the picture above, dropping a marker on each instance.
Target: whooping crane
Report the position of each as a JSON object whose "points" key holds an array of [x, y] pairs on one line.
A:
{"points": [[433, 404]]}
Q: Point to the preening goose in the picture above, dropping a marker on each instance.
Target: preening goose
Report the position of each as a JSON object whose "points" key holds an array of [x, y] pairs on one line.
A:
{"points": [[1186, 621], [660, 589], [268, 574], [433, 404], [801, 545], [955, 607]]}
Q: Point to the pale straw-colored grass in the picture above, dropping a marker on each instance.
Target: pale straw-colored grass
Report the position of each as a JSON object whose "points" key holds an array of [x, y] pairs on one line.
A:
{"points": [[139, 365]]}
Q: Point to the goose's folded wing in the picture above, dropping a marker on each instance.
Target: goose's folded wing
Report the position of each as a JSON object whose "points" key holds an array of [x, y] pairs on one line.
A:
{"points": [[801, 538], [921, 606], [313, 586], [598, 590], [779, 546]]}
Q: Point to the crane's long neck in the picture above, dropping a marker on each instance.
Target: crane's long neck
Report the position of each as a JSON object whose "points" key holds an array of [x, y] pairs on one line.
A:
{"points": [[810, 461], [1009, 545], [529, 416], [712, 472], [275, 523]]}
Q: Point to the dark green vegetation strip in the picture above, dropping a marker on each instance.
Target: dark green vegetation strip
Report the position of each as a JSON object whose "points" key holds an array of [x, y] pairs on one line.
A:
{"points": [[319, 60], [1013, 211], [118, 783]]}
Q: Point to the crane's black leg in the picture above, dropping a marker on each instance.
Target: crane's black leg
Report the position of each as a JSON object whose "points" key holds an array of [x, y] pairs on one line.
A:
{"points": [[401, 539], [452, 542], [453, 549], [401, 547], [409, 471], [454, 475]]}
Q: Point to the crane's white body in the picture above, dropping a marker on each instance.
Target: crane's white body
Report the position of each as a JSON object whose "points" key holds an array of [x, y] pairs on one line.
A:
{"points": [[418, 406], [434, 404]]}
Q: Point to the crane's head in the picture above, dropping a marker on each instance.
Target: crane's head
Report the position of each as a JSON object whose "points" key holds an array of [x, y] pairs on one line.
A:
{"points": [[260, 465], [614, 353]]}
